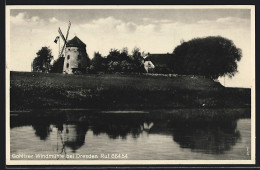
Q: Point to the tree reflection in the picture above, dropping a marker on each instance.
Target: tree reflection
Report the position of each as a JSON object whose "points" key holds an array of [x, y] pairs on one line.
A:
{"points": [[119, 126], [208, 137], [200, 135], [42, 129]]}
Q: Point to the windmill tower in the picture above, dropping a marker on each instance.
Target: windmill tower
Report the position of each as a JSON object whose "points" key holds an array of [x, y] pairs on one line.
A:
{"points": [[75, 55], [76, 58]]}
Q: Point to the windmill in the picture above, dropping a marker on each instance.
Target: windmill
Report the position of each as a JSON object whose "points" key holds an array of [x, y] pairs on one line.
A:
{"points": [[64, 38]]}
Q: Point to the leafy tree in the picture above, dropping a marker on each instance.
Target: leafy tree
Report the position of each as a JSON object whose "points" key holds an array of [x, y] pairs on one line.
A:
{"points": [[126, 67], [113, 55], [41, 62], [138, 60], [124, 55], [98, 63], [57, 66], [211, 57], [118, 61], [136, 54], [125, 50], [114, 66]]}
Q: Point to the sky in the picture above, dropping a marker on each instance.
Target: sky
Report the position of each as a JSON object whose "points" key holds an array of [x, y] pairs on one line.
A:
{"points": [[152, 30]]}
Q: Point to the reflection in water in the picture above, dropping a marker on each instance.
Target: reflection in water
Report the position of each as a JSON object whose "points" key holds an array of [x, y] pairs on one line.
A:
{"points": [[75, 136], [42, 128], [71, 135], [59, 135], [207, 137], [116, 126], [199, 136]]}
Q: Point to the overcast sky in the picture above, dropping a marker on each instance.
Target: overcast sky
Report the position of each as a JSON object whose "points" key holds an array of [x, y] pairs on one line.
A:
{"points": [[152, 30]]}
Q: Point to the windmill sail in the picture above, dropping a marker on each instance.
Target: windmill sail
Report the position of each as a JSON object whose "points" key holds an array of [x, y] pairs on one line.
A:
{"points": [[61, 35], [68, 30], [56, 39], [64, 39]]}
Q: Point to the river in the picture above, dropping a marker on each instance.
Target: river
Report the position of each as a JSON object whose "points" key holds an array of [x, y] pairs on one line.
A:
{"points": [[129, 135]]}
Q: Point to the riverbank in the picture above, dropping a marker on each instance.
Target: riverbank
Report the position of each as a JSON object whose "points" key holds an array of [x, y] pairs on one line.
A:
{"points": [[32, 91]]}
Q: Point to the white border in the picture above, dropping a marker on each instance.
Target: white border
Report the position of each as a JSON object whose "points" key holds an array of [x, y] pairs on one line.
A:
{"points": [[128, 162]]}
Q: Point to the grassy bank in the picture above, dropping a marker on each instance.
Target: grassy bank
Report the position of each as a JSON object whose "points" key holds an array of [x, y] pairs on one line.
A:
{"points": [[120, 92]]}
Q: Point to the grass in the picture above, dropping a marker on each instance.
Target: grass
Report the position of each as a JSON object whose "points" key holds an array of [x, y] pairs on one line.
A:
{"points": [[120, 92]]}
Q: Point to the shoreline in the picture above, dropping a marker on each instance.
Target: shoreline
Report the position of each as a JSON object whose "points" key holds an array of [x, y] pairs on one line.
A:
{"points": [[197, 113], [42, 91], [125, 111]]}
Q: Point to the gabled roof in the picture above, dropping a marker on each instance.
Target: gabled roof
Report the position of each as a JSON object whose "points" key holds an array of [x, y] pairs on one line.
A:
{"points": [[75, 42], [159, 59]]}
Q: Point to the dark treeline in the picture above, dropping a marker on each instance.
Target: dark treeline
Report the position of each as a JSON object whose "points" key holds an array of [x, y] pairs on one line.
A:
{"points": [[211, 57], [117, 61]]}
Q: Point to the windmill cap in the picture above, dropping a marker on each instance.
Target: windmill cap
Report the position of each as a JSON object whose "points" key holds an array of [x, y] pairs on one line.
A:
{"points": [[75, 42]]}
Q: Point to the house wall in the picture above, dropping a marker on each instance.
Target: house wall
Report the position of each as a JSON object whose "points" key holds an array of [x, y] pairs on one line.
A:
{"points": [[73, 61], [148, 65]]}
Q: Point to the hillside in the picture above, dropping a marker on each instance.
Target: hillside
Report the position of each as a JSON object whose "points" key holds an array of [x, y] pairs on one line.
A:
{"points": [[116, 91]]}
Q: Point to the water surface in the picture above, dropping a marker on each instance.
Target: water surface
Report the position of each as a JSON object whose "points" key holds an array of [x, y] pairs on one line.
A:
{"points": [[132, 136]]}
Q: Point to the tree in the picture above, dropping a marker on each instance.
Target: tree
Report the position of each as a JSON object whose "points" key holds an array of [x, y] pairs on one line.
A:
{"points": [[138, 60], [114, 66], [113, 55], [211, 57], [124, 55], [57, 66], [118, 61], [98, 63], [126, 67], [41, 62]]}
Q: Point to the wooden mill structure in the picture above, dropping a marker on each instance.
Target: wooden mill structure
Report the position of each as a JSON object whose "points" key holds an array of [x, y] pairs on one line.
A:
{"points": [[75, 54]]}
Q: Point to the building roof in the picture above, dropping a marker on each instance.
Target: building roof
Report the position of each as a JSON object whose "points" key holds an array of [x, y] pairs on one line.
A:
{"points": [[159, 59], [75, 42]]}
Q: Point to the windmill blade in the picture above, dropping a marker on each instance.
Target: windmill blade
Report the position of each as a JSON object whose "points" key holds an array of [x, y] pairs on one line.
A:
{"points": [[62, 49], [65, 39], [68, 31], [62, 36]]}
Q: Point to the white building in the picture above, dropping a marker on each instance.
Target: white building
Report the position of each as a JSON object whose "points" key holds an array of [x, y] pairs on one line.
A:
{"points": [[76, 58]]}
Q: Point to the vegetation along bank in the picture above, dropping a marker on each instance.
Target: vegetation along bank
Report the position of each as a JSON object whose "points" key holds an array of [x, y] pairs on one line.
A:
{"points": [[34, 90]]}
